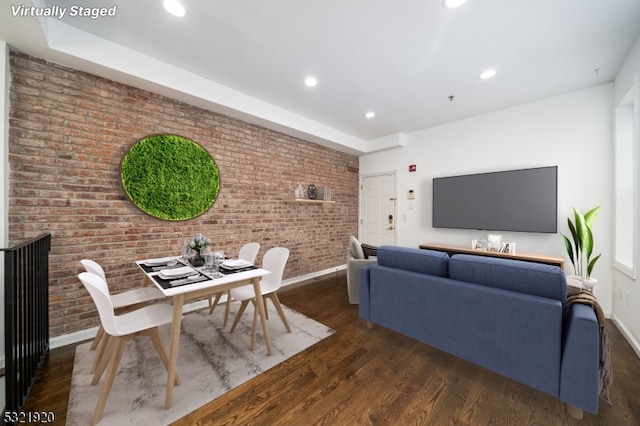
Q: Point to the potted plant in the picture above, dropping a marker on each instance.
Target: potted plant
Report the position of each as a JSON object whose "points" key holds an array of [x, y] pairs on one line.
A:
{"points": [[581, 250]]}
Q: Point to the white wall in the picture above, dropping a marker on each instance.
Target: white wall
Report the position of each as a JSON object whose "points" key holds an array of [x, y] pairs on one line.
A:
{"points": [[572, 131], [626, 294]]}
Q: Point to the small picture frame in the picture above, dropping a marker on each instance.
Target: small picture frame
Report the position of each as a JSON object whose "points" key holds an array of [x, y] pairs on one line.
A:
{"points": [[495, 242], [508, 247]]}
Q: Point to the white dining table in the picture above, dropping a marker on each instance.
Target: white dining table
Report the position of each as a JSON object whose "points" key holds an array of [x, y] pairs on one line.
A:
{"points": [[194, 290]]}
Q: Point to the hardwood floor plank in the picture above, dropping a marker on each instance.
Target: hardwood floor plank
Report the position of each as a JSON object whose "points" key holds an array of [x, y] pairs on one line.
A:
{"points": [[362, 376]]}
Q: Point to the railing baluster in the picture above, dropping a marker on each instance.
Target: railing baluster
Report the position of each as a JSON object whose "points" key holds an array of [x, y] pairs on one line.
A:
{"points": [[26, 309]]}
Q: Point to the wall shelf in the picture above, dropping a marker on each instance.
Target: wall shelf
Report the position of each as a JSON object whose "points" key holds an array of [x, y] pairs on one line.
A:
{"points": [[305, 200]]}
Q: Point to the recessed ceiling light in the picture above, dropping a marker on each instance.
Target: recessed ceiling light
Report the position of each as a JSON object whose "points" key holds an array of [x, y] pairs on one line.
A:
{"points": [[369, 114], [310, 82], [452, 4], [487, 74], [174, 7]]}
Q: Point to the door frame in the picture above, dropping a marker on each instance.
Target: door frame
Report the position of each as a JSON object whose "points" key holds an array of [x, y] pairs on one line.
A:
{"points": [[394, 174]]}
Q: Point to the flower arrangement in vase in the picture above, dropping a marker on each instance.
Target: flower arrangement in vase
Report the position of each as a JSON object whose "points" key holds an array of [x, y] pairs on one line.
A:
{"points": [[197, 245]]}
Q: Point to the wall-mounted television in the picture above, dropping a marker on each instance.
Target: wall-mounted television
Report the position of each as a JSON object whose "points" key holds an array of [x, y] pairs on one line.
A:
{"points": [[524, 200]]}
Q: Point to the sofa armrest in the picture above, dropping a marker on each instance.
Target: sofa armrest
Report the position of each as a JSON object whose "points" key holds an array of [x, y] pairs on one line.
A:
{"points": [[580, 368], [353, 277]]}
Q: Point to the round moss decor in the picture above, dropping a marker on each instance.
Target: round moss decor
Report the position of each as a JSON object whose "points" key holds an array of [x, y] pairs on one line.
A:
{"points": [[170, 177]]}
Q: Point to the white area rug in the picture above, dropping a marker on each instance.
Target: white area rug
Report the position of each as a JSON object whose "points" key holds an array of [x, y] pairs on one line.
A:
{"points": [[211, 361]]}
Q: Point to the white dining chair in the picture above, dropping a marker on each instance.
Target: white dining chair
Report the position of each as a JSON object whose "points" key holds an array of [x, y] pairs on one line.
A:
{"points": [[247, 252], [121, 300], [119, 329], [274, 261]]}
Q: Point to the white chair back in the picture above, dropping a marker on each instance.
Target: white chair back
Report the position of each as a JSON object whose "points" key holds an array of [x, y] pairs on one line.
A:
{"points": [[274, 261], [99, 292], [93, 267], [249, 252]]}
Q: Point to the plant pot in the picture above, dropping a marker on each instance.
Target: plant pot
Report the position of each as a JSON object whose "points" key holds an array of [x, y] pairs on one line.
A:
{"points": [[589, 283], [586, 283]]}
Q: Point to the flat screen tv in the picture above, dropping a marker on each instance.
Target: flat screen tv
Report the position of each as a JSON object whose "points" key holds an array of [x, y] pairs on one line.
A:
{"points": [[522, 200]]}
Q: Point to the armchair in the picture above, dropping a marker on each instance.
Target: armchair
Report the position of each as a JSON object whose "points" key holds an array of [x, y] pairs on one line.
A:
{"points": [[355, 260]]}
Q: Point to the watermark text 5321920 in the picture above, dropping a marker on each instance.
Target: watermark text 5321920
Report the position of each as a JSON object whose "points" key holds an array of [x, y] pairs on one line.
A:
{"points": [[60, 12]]}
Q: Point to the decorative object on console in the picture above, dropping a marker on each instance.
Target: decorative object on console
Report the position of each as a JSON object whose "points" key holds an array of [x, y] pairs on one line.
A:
{"points": [[495, 242], [482, 243], [507, 247], [299, 192], [580, 250]]}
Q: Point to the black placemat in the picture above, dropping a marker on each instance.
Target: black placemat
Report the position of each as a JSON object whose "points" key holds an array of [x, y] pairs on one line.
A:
{"points": [[226, 271], [160, 266], [177, 282]]}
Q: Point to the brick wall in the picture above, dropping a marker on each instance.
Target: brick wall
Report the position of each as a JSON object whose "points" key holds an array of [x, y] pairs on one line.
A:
{"points": [[68, 133]]}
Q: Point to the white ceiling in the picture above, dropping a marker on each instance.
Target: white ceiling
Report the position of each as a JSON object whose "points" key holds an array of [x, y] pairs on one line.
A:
{"points": [[401, 58]]}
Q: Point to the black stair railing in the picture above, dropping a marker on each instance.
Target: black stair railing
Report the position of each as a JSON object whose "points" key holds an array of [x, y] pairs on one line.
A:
{"points": [[26, 313]]}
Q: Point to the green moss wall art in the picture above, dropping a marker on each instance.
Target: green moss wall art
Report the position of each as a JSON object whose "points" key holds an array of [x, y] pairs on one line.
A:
{"points": [[170, 177]]}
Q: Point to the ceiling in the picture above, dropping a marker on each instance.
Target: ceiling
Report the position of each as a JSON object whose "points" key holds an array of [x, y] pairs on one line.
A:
{"points": [[402, 59]]}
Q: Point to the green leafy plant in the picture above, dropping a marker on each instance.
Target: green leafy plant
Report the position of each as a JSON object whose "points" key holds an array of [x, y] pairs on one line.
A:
{"points": [[580, 250], [170, 177]]}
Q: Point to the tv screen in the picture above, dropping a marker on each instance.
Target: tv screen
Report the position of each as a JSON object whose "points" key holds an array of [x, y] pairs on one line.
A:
{"points": [[515, 200]]}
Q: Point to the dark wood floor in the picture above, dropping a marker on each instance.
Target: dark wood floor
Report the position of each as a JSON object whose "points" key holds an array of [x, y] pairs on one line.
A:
{"points": [[374, 376]]}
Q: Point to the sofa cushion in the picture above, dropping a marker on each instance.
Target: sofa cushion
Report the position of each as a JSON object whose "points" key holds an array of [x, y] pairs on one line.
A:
{"points": [[532, 278], [355, 248], [412, 259]]}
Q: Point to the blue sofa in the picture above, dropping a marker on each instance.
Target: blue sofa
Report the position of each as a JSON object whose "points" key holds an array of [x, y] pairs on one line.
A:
{"points": [[502, 314]]}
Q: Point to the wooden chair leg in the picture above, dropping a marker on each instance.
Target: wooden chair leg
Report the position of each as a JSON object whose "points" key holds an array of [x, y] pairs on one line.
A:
{"points": [[102, 345], [118, 348], [227, 309], [96, 340], [156, 339], [103, 360], [274, 297], [254, 326], [212, 305], [243, 306]]}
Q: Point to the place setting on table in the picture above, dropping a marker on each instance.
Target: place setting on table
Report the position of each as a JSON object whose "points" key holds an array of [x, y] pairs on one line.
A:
{"points": [[175, 271], [199, 272]]}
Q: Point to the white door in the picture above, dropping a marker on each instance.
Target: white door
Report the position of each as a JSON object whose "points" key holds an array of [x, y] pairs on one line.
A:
{"points": [[378, 209]]}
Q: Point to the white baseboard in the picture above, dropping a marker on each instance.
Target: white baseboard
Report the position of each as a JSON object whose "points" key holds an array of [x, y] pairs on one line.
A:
{"points": [[633, 342], [90, 333]]}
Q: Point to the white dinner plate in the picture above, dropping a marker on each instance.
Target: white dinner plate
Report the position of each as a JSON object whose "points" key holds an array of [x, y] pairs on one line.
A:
{"points": [[158, 261], [236, 263], [169, 274]]}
